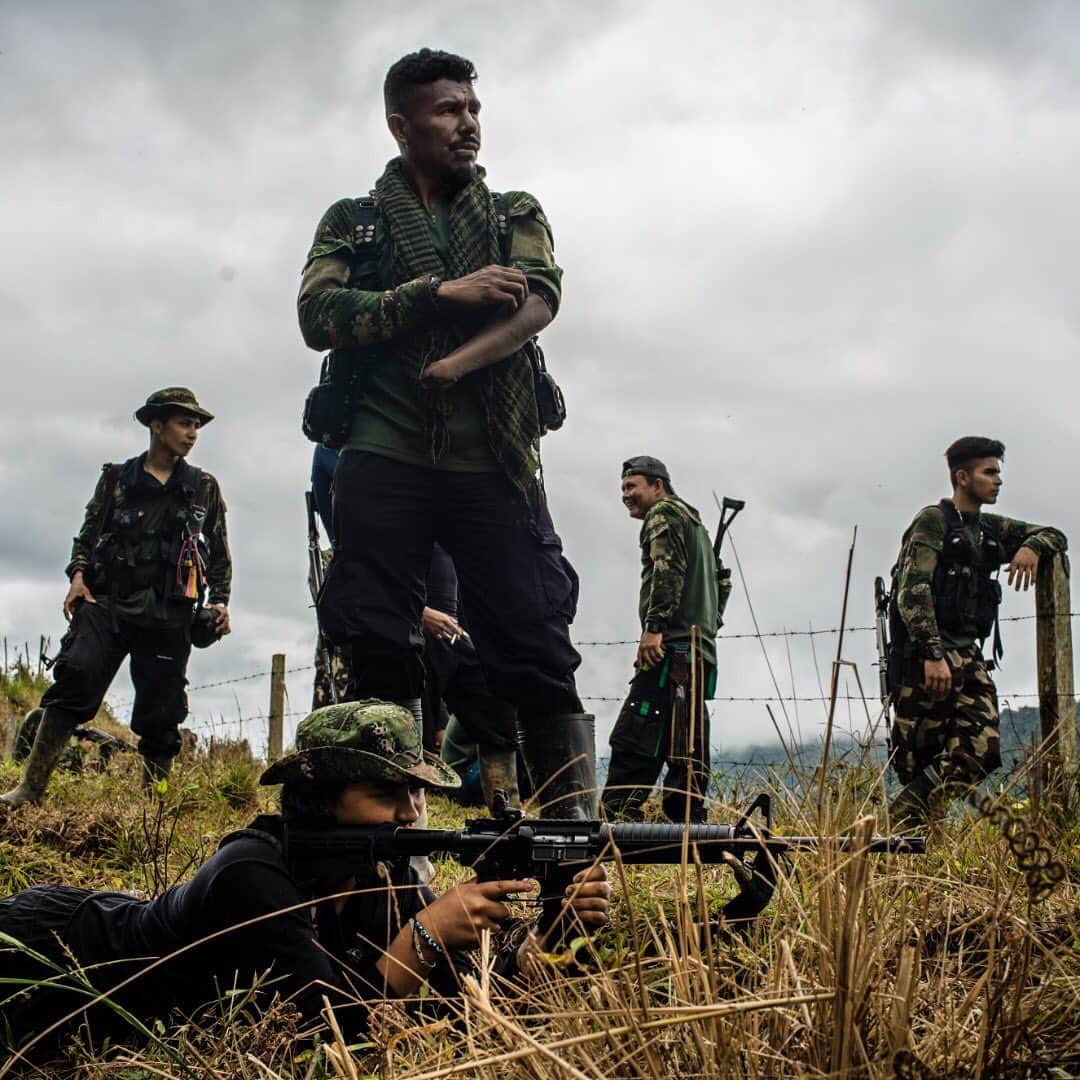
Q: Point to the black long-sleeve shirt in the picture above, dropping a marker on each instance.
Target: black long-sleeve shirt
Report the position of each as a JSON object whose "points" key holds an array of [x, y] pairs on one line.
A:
{"points": [[259, 921]]}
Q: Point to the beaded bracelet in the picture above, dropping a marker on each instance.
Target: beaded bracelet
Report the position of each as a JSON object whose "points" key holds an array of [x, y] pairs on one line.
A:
{"points": [[421, 939]]}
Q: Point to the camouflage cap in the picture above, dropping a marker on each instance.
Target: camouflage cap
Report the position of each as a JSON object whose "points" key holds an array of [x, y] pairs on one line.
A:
{"points": [[643, 465], [361, 740], [169, 400]]}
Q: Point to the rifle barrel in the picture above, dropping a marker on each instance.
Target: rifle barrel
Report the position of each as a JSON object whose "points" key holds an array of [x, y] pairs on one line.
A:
{"points": [[548, 841]]}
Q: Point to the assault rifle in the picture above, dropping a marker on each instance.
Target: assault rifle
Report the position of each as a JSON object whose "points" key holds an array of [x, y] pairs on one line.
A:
{"points": [[881, 627], [509, 846], [723, 574], [315, 583], [732, 506], [107, 742]]}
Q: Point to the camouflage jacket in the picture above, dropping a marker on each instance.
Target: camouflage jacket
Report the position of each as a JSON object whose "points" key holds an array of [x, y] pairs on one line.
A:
{"points": [[134, 486], [678, 576], [918, 559], [334, 314]]}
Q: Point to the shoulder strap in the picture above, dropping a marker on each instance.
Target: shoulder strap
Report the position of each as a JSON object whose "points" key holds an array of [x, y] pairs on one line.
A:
{"points": [[252, 834], [953, 518], [112, 475], [502, 216], [365, 216]]}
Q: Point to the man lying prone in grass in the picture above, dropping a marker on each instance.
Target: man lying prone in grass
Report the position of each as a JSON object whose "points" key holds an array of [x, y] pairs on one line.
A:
{"points": [[352, 933]]}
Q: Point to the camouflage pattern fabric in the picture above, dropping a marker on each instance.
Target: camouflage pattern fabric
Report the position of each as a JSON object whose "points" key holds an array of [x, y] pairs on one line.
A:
{"points": [[962, 727], [330, 661], [149, 605], [919, 552], [679, 588], [361, 740], [339, 669], [170, 399]]}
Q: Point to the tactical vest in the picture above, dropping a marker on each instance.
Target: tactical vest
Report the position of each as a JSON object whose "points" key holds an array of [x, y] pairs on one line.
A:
{"points": [[154, 543], [967, 594], [330, 405]]}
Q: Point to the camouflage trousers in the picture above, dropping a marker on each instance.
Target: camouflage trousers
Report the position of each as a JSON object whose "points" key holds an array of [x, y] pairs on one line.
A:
{"points": [[962, 727]]}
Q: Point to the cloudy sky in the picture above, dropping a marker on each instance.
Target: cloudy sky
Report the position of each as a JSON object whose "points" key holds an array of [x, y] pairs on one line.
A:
{"points": [[805, 245]]}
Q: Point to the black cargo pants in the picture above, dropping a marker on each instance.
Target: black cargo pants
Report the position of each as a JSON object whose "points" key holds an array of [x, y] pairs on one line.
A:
{"points": [[517, 586], [91, 653], [654, 729]]}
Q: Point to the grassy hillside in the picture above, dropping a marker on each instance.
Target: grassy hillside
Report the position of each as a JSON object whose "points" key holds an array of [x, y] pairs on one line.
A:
{"points": [[862, 965]]}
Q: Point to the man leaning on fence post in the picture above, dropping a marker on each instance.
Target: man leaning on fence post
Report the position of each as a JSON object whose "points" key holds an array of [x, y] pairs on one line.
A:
{"points": [[435, 286], [945, 600], [660, 721]]}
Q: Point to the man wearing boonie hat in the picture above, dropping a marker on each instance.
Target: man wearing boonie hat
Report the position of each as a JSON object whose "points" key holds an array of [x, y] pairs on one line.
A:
{"points": [[152, 551], [337, 928]]}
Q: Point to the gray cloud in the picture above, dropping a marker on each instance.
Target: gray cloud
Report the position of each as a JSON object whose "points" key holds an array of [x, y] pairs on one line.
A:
{"points": [[803, 251]]}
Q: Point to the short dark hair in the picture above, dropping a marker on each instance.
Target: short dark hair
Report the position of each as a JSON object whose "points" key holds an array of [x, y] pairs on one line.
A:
{"points": [[419, 69], [969, 449], [303, 801]]}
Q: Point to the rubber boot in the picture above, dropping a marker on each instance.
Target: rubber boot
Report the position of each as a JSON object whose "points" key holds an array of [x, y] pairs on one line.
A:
{"points": [[498, 772], [53, 735], [560, 753], [155, 768], [911, 808]]}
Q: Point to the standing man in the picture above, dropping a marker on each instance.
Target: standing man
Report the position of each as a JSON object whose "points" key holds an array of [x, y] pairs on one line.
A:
{"points": [[664, 719], [945, 600], [434, 289], [152, 545]]}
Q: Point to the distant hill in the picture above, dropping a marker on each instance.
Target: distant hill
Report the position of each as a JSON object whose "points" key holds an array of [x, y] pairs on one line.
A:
{"points": [[1020, 734]]}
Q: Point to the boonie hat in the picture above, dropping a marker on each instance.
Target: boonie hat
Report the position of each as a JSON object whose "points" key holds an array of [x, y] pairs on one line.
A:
{"points": [[643, 465], [169, 400], [361, 740]]}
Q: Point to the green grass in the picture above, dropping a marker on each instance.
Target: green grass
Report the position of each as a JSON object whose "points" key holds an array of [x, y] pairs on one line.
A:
{"points": [[861, 966]]}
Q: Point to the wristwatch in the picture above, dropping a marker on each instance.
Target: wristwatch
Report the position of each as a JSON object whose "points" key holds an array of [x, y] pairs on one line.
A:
{"points": [[433, 288], [654, 628]]}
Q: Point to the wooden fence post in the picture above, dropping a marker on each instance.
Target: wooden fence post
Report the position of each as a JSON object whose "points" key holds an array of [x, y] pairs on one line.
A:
{"points": [[1057, 698], [276, 741]]}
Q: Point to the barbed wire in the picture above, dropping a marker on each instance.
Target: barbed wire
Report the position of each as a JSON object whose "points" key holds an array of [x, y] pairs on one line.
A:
{"points": [[127, 703], [807, 633]]}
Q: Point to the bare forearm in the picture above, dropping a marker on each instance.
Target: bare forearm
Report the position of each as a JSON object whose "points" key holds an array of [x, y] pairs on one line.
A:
{"points": [[496, 341]]}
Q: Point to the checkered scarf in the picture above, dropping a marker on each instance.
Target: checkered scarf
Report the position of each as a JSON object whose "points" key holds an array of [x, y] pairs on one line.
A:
{"points": [[506, 388]]}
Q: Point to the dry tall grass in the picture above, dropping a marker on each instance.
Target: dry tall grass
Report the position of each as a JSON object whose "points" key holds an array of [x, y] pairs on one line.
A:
{"points": [[863, 965]]}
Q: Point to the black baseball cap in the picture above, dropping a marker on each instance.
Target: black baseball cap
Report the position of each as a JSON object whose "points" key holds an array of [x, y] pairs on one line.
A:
{"points": [[643, 465]]}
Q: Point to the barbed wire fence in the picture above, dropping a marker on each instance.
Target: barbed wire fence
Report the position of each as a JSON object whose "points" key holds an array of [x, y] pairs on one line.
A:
{"points": [[253, 726]]}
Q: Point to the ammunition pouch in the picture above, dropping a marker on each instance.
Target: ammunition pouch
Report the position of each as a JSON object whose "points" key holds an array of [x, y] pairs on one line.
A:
{"points": [[329, 407], [550, 403]]}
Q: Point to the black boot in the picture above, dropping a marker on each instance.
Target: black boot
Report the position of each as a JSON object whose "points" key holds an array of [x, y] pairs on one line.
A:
{"points": [[911, 808], [560, 753], [53, 734]]}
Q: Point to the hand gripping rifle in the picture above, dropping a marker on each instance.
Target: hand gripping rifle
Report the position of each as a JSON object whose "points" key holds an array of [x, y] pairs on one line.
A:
{"points": [[509, 846], [315, 582]]}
